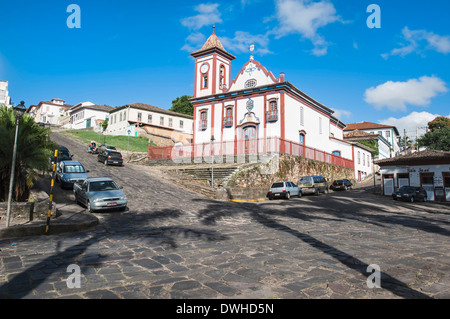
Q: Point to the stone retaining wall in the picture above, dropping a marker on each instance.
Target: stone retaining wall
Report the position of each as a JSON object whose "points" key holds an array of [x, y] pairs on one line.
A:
{"points": [[241, 193], [33, 210]]}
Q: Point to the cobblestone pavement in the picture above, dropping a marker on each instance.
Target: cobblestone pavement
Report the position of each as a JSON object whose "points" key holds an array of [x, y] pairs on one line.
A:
{"points": [[173, 243]]}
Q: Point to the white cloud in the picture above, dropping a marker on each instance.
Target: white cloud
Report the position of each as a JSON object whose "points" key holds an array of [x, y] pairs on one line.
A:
{"points": [[194, 41], [208, 15], [414, 123], [340, 114], [242, 41], [420, 40], [396, 95], [305, 17]]}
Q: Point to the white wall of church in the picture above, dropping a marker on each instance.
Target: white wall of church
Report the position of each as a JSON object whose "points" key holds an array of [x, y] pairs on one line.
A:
{"points": [[258, 75]]}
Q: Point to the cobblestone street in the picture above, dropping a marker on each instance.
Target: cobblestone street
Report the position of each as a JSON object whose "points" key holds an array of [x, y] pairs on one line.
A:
{"points": [[173, 243]]}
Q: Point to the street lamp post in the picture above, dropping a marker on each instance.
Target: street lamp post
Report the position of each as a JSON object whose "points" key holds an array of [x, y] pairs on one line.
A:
{"points": [[212, 162], [18, 110]]}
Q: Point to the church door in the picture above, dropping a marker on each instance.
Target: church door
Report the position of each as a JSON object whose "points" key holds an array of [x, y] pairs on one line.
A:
{"points": [[250, 142]]}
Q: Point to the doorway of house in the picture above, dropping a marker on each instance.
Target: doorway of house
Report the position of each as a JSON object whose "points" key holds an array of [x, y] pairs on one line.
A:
{"points": [[250, 142]]}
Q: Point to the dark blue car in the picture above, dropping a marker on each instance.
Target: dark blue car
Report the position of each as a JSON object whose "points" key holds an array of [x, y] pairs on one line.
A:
{"points": [[410, 194]]}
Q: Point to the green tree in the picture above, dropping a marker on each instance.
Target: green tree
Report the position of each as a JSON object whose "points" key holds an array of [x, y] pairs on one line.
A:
{"points": [[373, 144], [438, 138], [182, 105], [34, 149], [438, 123]]}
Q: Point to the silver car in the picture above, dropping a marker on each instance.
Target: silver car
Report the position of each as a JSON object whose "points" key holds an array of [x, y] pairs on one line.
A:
{"points": [[284, 190], [70, 172], [100, 194]]}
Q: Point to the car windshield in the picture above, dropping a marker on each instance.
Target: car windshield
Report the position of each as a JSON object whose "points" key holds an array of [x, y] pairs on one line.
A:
{"points": [[102, 186], [305, 180], [407, 189], [74, 169], [63, 154], [339, 181], [277, 185]]}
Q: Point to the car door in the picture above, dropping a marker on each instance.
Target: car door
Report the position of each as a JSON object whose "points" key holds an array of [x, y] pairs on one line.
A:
{"points": [[295, 189], [59, 170], [83, 193]]}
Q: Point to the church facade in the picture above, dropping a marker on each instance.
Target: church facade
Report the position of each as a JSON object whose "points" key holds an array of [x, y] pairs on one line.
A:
{"points": [[258, 113]]}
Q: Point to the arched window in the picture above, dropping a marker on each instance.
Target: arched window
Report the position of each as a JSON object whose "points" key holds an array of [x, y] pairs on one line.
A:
{"points": [[302, 116], [203, 125], [221, 76], [228, 118], [272, 112], [337, 153], [302, 138]]}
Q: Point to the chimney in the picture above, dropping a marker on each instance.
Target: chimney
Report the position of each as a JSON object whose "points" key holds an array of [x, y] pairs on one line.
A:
{"points": [[282, 77]]}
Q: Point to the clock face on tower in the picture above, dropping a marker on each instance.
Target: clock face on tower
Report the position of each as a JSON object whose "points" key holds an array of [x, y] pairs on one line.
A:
{"points": [[204, 68]]}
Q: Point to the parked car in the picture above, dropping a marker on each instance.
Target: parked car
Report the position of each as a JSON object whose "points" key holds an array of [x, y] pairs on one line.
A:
{"points": [[99, 194], [410, 194], [110, 158], [341, 184], [284, 190], [63, 155], [105, 147], [70, 172], [313, 185]]}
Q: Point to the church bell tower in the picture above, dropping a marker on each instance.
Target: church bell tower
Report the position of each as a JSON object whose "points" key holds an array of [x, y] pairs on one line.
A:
{"points": [[212, 67]]}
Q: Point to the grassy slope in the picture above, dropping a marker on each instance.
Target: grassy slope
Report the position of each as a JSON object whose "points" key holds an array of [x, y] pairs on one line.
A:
{"points": [[137, 144]]}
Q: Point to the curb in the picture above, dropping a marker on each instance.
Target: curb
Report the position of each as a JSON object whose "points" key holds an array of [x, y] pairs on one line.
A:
{"points": [[54, 229], [247, 201]]}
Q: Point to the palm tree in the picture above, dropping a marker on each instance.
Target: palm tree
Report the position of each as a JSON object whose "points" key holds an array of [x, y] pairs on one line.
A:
{"points": [[34, 149]]}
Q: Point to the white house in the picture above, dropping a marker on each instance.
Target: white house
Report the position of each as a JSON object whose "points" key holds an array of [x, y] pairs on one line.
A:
{"points": [[388, 132], [429, 169], [86, 114], [4, 94], [257, 112], [162, 126], [51, 111], [383, 146]]}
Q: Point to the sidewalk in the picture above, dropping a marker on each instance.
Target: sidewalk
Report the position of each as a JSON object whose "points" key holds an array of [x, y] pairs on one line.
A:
{"points": [[70, 218]]}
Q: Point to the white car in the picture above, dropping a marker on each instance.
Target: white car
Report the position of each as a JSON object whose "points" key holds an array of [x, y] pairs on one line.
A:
{"points": [[284, 190], [100, 194]]}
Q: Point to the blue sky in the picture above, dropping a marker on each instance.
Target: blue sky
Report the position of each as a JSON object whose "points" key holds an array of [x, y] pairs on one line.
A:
{"points": [[138, 51]]}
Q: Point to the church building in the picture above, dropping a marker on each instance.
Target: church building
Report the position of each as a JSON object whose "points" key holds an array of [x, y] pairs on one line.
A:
{"points": [[257, 113]]}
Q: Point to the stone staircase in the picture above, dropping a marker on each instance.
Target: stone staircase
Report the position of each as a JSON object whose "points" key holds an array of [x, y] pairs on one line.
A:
{"points": [[222, 172]]}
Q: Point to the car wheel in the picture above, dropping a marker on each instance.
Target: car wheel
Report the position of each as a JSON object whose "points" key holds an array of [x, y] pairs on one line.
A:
{"points": [[299, 194], [345, 188], [89, 208], [326, 191], [317, 192], [288, 196], [106, 162]]}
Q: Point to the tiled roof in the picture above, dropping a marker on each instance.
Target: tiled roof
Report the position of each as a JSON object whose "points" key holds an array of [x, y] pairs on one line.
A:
{"points": [[430, 156], [366, 126], [103, 108], [148, 107], [358, 133], [213, 43]]}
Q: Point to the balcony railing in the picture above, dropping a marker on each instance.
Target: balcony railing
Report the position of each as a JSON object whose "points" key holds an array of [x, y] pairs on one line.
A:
{"points": [[203, 125], [228, 121], [252, 146], [272, 116]]}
